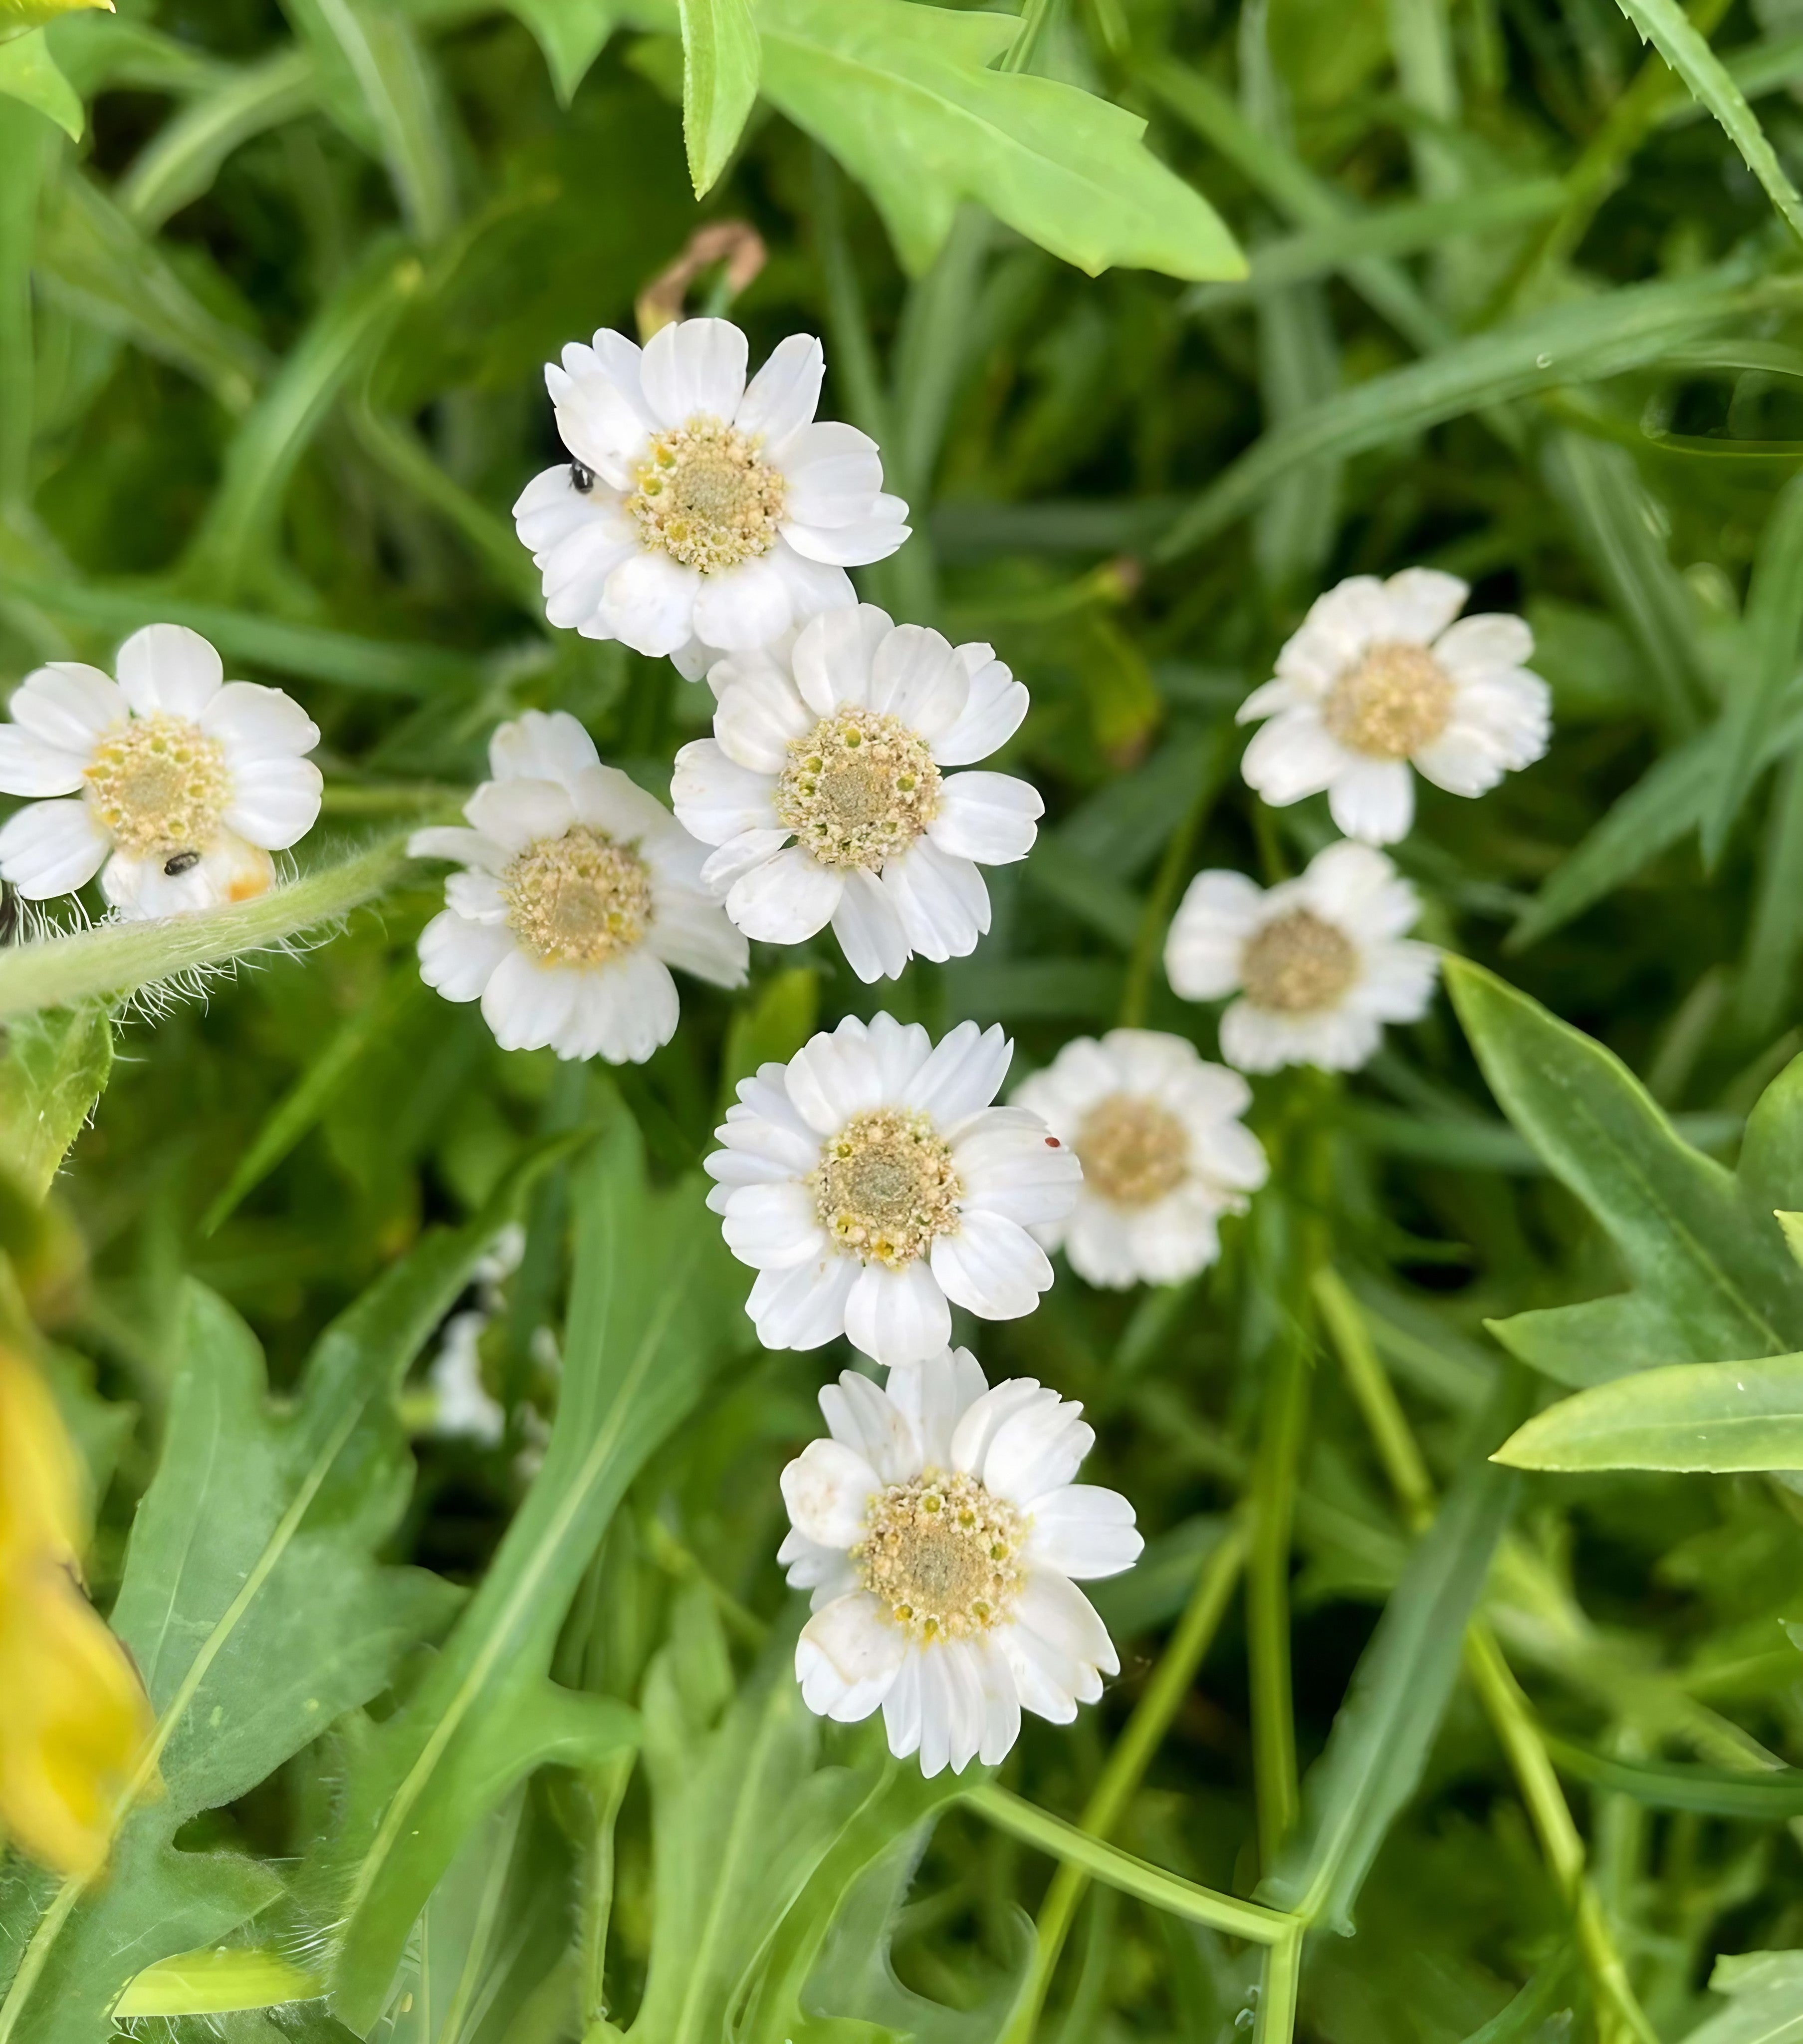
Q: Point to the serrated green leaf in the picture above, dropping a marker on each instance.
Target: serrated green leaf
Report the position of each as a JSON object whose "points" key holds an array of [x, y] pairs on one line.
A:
{"points": [[720, 65], [1710, 1274], [52, 1070], [28, 73], [902, 95], [1695, 1416], [653, 1304]]}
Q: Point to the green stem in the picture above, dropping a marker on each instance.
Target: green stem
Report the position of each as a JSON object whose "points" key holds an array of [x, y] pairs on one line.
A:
{"points": [[607, 1790], [1132, 1753], [1148, 940], [1273, 1508], [1375, 1397]]}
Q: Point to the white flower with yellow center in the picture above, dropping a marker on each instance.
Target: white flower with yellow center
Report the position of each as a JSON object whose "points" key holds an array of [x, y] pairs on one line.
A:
{"points": [[1163, 1151], [943, 1540], [580, 892], [872, 1186], [825, 788], [1319, 962], [699, 513], [1380, 684], [172, 783]]}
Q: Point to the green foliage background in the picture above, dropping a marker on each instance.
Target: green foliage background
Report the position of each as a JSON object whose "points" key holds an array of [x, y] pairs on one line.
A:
{"points": [[464, 1746]]}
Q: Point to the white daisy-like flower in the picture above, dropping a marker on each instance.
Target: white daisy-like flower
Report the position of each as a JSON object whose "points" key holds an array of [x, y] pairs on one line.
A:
{"points": [[1380, 681], [580, 892], [172, 783], [1319, 962], [1164, 1154], [699, 511], [942, 1538], [824, 787], [872, 1186]]}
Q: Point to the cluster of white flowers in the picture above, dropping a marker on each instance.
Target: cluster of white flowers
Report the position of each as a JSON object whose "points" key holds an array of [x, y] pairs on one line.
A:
{"points": [[872, 1182]]}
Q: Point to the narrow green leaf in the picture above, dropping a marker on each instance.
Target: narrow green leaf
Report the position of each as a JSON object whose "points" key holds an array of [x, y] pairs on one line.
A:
{"points": [[28, 73], [572, 33], [1384, 1732], [122, 958], [25, 144], [1577, 343], [1772, 1798], [179, 163], [215, 1983], [720, 63], [902, 95], [53, 1070], [1708, 1267], [1694, 1416], [1774, 932], [1663, 23]]}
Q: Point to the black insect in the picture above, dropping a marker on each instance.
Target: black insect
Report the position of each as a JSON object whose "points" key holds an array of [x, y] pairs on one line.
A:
{"points": [[182, 862], [582, 478]]}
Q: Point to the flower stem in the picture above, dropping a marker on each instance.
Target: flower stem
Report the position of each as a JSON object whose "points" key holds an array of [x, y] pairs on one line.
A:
{"points": [[1273, 1507], [1159, 1702]]}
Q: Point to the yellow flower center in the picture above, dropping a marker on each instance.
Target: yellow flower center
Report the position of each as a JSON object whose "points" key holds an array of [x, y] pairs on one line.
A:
{"points": [[858, 790], [1394, 701], [943, 1554], [707, 497], [1133, 1151], [579, 899], [885, 1187], [160, 785], [1297, 964]]}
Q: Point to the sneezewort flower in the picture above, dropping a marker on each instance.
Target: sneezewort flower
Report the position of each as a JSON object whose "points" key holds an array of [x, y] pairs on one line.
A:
{"points": [[941, 1534], [826, 788], [872, 1186], [172, 783], [1164, 1154], [579, 892], [1320, 963], [699, 513], [1380, 684]]}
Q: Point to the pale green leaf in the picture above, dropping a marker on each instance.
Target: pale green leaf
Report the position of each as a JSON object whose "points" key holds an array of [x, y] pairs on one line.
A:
{"points": [[720, 64], [16, 14], [1765, 1991], [572, 33], [52, 1070], [1792, 1224], [29, 72], [1696, 1415], [215, 1983], [1663, 23]]}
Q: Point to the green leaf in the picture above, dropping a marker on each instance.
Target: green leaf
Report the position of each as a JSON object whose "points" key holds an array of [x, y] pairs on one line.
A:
{"points": [[179, 163], [903, 96], [119, 959], [720, 64], [215, 1983], [17, 14], [257, 1616], [53, 1070], [1792, 1224], [1577, 343], [772, 1028], [1707, 1262], [1771, 1798], [654, 1301], [1663, 23], [1384, 1732], [1765, 1991], [572, 33], [1695, 1415], [29, 72]]}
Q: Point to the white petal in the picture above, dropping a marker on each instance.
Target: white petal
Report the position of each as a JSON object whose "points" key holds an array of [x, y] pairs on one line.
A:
{"points": [[690, 930], [991, 715], [453, 841], [848, 1656], [916, 676], [526, 1004], [773, 1227], [1083, 1531], [648, 603], [607, 800], [898, 1316], [1219, 910], [935, 1395], [275, 801], [67, 705], [959, 1667], [1474, 645], [858, 1414], [786, 899], [1292, 756], [1046, 1680], [963, 1073], [52, 848], [515, 814], [850, 544], [992, 817], [781, 398], [869, 924], [1397, 983], [902, 1051], [902, 1711], [576, 570], [759, 717], [623, 1011], [1038, 1449], [833, 472], [1010, 1163], [833, 654], [168, 668], [814, 586], [827, 1489], [541, 746], [1054, 1608], [1270, 697], [1374, 800], [459, 957], [1422, 602], [257, 723], [1100, 1244], [230, 870], [1359, 888], [833, 1077], [1336, 1040], [602, 416], [694, 368], [991, 1267], [1001, 1698], [28, 766], [746, 606], [715, 799], [722, 870], [802, 1308], [551, 510], [942, 903]]}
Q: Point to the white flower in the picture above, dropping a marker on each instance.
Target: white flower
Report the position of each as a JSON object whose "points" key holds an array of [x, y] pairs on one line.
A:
{"points": [[868, 1181], [180, 784], [699, 510], [939, 1530], [462, 1405], [1379, 680], [1164, 1155], [1321, 963], [837, 742], [580, 893]]}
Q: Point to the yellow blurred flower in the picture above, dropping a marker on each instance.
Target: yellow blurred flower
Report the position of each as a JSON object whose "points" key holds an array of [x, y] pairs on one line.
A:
{"points": [[74, 1717]]}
